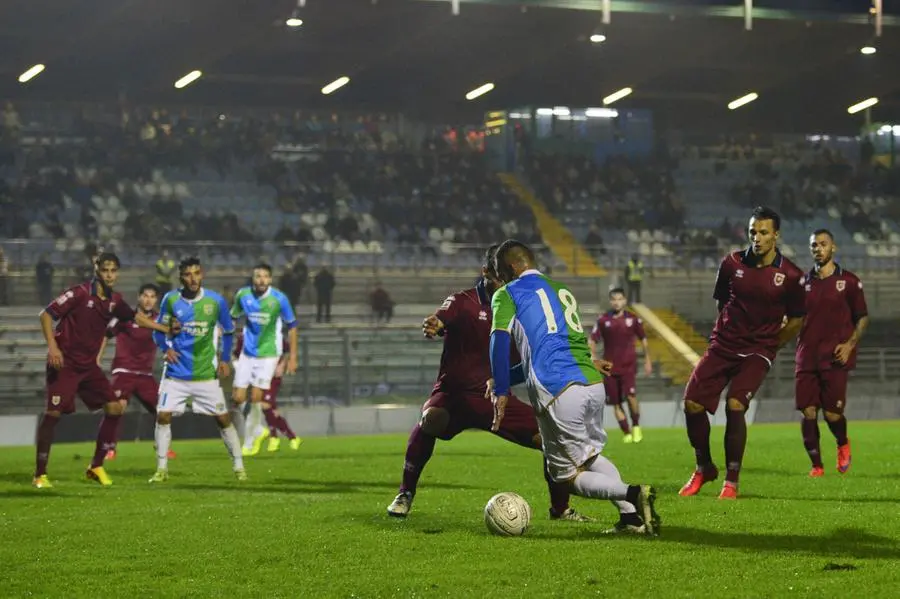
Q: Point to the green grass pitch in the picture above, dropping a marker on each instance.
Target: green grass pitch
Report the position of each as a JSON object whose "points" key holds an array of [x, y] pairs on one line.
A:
{"points": [[312, 523]]}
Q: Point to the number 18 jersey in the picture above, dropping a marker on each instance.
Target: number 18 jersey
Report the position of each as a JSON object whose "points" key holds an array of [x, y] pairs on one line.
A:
{"points": [[542, 317]]}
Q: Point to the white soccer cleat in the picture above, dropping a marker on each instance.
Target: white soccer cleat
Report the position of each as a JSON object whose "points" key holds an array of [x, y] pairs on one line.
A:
{"points": [[401, 505], [570, 515]]}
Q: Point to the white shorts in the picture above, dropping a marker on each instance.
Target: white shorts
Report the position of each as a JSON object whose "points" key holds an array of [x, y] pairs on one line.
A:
{"points": [[207, 397], [254, 372], [572, 429]]}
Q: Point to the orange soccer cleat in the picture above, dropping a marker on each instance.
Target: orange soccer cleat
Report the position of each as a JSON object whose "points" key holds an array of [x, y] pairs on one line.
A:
{"points": [[729, 491], [843, 457], [700, 477], [816, 472]]}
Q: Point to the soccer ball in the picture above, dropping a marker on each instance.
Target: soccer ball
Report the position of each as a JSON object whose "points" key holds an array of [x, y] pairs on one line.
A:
{"points": [[507, 515]]}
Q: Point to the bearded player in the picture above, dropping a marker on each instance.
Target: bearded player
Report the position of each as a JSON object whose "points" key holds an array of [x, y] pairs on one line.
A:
{"points": [[836, 319], [458, 400], [132, 367], [618, 329], [756, 289]]}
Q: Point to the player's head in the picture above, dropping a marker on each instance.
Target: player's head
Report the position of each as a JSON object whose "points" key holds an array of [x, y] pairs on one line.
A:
{"points": [[512, 259], [617, 299], [191, 274], [148, 295], [763, 230], [489, 271], [106, 269], [822, 246], [262, 278]]}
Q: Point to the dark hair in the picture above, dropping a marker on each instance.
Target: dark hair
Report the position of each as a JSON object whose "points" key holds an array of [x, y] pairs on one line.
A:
{"points": [[263, 266], [766, 213], [187, 263], [818, 232], [489, 255], [616, 290], [148, 287], [107, 257]]}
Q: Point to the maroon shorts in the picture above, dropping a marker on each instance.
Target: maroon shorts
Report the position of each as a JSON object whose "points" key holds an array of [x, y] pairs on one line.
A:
{"points": [[825, 389], [473, 411], [90, 384], [742, 375], [143, 386], [270, 395], [619, 387]]}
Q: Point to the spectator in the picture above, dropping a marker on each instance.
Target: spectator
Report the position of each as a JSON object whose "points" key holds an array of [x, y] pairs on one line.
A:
{"points": [[165, 270], [324, 283], [43, 273], [634, 275], [381, 303], [4, 279]]}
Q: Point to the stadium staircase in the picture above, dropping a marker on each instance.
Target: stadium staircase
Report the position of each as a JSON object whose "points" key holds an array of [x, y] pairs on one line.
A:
{"points": [[674, 362], [560, 240]]}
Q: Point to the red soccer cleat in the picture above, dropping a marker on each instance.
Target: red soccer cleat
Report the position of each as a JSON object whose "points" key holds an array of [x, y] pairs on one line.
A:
{"points": [[729, 491], [843, 457], [816, 472], [111, 454], [171, 455], [699, 478]]}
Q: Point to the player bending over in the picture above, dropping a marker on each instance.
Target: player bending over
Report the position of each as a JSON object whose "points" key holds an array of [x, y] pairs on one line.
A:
{"points": [[755, 290], [564, 387], [458, 400], [82, 314], [193, 363], [275, 422], [269, 314], [132, 367], [618, 329], [836, 318]]}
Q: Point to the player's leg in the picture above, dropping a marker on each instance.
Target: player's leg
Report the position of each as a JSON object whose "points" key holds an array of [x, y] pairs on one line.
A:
{"points": [[701, 396], [275, 420], [61, 388], [96, 393], [243, 369], [612, 385], [746, 382], [807, 400], [256, 430], [173, 395], [146, 390], [122, 386], [209, 400], [262, 374], [627, 384], [834, 398]]}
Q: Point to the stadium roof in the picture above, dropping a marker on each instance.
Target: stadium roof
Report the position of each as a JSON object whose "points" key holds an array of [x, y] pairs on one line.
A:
{"points": [[686, 62]]}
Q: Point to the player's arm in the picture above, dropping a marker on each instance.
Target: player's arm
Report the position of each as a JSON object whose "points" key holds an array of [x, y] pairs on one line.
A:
{"points": [[227, 325], [796, 311], [641, 334], [504, 313], [237, 309], [57, 309], [857, 300], [436, 325], [722, 289], [163, 340], [290, 321]]}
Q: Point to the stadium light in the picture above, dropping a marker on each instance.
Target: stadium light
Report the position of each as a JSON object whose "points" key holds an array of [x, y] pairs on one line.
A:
{"points": [[616, 96], [293, 22], [868, 50], [188, 79], [743, 100], [545, 112], [31, 73], [336, 85], [598, 38], [601, 113], [867, 103], [479, 91]]}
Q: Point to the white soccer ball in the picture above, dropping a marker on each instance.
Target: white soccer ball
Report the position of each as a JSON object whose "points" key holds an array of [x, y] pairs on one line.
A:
{"points": [[507, 515]]}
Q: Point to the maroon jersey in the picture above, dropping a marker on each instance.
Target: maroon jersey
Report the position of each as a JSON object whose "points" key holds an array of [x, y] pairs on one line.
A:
{"points": [[466, 359], [833, 307], [82, 321], [135, 348], [755, 302], [618, 334]]}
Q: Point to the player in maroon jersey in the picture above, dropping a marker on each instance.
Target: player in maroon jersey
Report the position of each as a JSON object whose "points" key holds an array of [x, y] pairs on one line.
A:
{"points": [[755, 290], [83, 313], [836, 319], [618, 329], [132, 366], [458, 400]]}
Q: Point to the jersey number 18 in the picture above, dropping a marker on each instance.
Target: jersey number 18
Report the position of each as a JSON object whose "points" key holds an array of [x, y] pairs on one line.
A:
{"points": [[570, 310]]}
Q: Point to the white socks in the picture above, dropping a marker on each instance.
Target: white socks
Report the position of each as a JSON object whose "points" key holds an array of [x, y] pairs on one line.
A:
{"points": [[602, 481], [163, 436], [233, 445], [253, 425]]}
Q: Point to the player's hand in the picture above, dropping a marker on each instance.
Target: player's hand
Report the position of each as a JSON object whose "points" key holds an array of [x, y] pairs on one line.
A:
{"points": [[499, 411], [489, 389], [605, 367], [279, 369], [174, 327], [171, 356], [55, 357], [291, 365], [432, 326], [842, 352], [648, 367], [224, 370]]}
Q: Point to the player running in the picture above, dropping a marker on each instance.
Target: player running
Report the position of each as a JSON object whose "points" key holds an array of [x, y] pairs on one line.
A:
{"points": [[276, 423], [755, 290], [268, 313], [564, 387], [193, 363], [836, 319], [458, 403], [82, 314], [132, 366], [618, 329]]}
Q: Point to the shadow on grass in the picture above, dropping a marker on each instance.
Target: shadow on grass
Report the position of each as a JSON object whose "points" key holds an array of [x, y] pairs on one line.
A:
{"points": [[300, 487]]}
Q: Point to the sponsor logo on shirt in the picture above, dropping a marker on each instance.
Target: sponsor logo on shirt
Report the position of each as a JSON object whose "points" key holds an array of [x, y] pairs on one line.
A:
{"points": [[90, 303], [739, 273], [260, 318], [482, 315], [196, 328], [112, 306]]}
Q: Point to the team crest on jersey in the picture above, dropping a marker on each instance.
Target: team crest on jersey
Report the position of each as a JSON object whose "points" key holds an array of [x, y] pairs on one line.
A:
{"points": [[840, 285], [628, 322], [808, 287], [90, 303], [607, 324], [55, 400], [779, 279], [208, 309], [118, 393], [482, 315], [739, 273], [112, 306]]}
